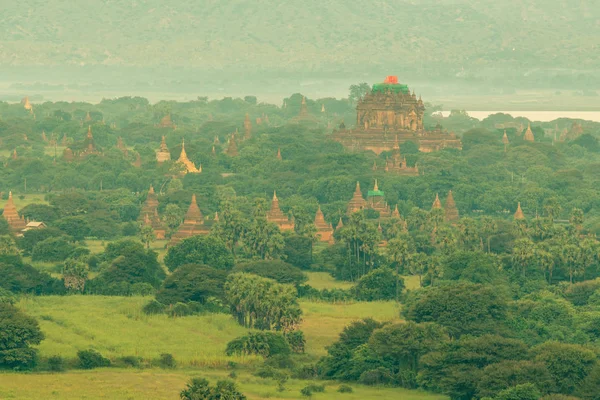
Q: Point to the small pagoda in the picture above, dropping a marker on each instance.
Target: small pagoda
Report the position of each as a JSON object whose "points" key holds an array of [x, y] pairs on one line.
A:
{"points": [[529, 134], [451, 212], [376, 201], [11, 215], [397, 165], [304, 115], [193, 224], [232, 150], [163, 154], [89, 147], [519, 213], [437, 204], [166, 122], [277, 216], [357, 202], [188, 166], [149, 214], [324, 230]]}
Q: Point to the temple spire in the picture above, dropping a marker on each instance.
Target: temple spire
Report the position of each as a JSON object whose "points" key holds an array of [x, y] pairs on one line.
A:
{"points": [[519, 213], [375, 187], [451, 210], [279, 154], [437, 204], [529, 134]]}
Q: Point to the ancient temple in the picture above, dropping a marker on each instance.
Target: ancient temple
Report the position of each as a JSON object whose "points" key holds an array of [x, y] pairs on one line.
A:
{"points": [[529, 134], [232, 150], [505, 140], [304, 115], [188, 166], [397, 165], [192, 225], [26, 104], [14, 154], [390, 110], [166, 122], [88, 117], [451, 212], [89, 147], [68, 155], [10, 214], [376, 201], [573, 133], [519, 213], [149, 214], [357, 202], [324, 230], [279, 154], [277, 216], [163, 154], [247, 127], [396, 213], [437, 204], [340, 224]]}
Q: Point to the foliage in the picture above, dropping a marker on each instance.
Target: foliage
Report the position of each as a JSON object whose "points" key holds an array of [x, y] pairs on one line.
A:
{"points": [[23, 278], [262, 303], [90, 359], [266, 344], [379, 284], [19, 332], [199, 389], [167, 361], [52, 249], [205, 250], [277, 270], [192, 282]]}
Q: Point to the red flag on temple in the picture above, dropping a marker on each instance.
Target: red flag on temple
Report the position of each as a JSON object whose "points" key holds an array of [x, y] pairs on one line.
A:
{"points": [[391, 79]]}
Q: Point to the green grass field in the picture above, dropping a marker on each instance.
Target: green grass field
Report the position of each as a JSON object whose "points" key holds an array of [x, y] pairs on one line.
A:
{"points": [[153, 384], [324, 280], [116, 327]]}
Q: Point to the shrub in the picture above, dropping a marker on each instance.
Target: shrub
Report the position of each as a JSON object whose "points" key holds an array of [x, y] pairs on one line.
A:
{"points": [[56, 364], [52, 249], [314, 388], [266, 344], [379, 376], [306, 392], [280, 361], [232, 375], [379, 284], [130, 361], [199, 389], [154, 307], [142, 289], [167, 361], [345, 389], [309, 371], [180, 310], [204, 250], [269, 372], [277, 270], [6, 296], [192, 282], [90, 359]]}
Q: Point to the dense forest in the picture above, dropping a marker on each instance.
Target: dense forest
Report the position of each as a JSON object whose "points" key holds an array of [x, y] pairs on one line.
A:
{"points": [[507, 300]]}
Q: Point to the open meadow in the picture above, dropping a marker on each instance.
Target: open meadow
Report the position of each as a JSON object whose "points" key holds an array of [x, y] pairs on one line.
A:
{"points": [[116, 327]]}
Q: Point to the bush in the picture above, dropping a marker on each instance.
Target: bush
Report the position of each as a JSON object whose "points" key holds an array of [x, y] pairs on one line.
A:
{"points": [[167, 361], [22, 358], [266, 344], [309, 371], [280, 361], [199, 389], [90, 359], [130, 361], [379, 284], [204, 250], [142, 289], [316, 388], [345, 389], [180, 310], [269, 372], [277, 270], [154, 307], [379, 376], [52, 249], [56, 364], [192, 282], [6, 296]]}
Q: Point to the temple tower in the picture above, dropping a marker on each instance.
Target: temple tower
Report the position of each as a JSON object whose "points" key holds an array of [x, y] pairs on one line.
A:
{"points": [[183, 159], [324, 230], [357, 202], [437, 204], [451, 210], [276, 216], [519, 213], [11, 215], [247, 127], [193, 224], [163, 154], [529, 134]]}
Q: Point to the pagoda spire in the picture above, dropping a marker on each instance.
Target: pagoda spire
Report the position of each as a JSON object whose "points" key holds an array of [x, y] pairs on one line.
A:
{"points": [[375, 187], [451, 210], [279, 154], [11, 215], [396, 213], [247, 127], [529, 134], [183, 159], [519, 213], [357, 202], [89, 132], [340, 224], [437, 204]]}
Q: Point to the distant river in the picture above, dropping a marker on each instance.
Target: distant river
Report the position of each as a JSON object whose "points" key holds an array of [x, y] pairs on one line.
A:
{"points": [[542, 116]]}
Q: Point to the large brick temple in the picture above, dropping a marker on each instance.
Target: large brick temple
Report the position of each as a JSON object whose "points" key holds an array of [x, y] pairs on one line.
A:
{"points": [[391, 111]]}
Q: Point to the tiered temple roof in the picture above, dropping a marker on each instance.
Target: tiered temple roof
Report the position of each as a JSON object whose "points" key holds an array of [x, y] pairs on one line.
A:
{"points": [[89, 147], [357, 202], [519, 213], [388, 110], [529, 134], [451, 211], [183, 159], [149, 214], [11, 215], [324, 230], [437, 204], [397, 165], [232, 150], [304, 115], [376, 201], [277, 216], [163, 154], [193, 224]]}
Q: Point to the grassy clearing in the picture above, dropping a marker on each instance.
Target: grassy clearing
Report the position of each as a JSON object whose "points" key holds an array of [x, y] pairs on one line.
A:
{"points": [[323, 322], [97, 246], [411, 282], [28, 199], [158, 385], [116, 327], [324, 280]]}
